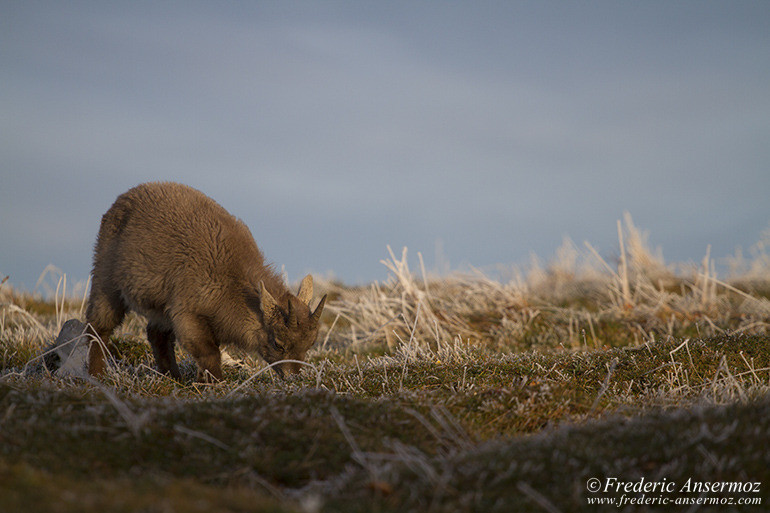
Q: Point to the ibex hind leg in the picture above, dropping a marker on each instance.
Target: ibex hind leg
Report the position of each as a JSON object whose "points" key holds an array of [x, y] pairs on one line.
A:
{"points": [[162, 342], [104, 314]]}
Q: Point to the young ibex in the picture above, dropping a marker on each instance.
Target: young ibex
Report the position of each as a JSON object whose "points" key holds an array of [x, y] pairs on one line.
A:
{"points": [[174, 255]]}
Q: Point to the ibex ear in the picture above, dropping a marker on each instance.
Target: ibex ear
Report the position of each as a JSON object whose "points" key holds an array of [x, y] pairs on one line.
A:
{"points": [[305, 293], [316, 316], [266, 302]]}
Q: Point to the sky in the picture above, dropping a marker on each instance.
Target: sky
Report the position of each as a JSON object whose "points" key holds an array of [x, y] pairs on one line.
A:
{"points": [[476, 133]]}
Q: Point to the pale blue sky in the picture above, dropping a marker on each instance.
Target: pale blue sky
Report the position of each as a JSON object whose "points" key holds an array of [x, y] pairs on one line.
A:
{"points": [[335, 128]]}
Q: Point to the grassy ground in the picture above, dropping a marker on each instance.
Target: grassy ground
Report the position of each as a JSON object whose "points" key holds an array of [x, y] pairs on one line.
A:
{"points": [[460, 394]]}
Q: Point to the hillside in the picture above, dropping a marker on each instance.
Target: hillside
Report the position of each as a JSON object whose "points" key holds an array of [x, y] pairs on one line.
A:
{"points": [[548, 388]]}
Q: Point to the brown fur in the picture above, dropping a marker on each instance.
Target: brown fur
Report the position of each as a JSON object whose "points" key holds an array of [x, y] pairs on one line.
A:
{"points": [[174, 255]]}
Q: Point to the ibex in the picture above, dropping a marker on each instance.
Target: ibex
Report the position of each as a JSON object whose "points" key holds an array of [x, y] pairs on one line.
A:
{"points": [[175, 256]]}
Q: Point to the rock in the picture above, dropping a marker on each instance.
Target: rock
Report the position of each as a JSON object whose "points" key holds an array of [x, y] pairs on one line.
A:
{"points": [[69, 354]]}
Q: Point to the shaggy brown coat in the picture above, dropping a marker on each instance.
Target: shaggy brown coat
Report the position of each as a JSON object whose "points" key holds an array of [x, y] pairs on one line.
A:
{"points": [[172, 254]]}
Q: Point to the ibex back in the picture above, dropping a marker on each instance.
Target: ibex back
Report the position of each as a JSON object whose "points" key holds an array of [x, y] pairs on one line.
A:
{"points": [[172, 254]]}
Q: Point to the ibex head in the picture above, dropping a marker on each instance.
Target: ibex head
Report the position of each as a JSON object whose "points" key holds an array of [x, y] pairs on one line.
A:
{"points": [[289, 331]]}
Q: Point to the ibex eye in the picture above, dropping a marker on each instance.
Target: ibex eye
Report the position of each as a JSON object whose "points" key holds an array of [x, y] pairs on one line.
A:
{"points": [[276, 345]]}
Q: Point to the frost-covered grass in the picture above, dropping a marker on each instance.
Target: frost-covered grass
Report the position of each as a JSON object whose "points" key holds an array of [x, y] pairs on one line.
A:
{"points": [[459, 393]]}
